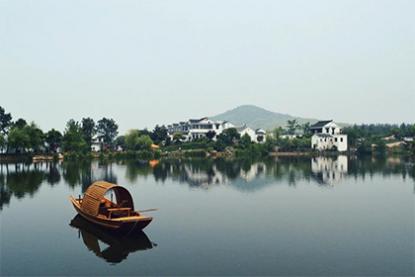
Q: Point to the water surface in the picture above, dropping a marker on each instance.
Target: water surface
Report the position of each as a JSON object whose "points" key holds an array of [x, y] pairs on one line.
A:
{"points": [[302, 216]]}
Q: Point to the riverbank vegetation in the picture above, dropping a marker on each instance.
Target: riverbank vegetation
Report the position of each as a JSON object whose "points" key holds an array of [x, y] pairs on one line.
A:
{"points": [[88, 139]]}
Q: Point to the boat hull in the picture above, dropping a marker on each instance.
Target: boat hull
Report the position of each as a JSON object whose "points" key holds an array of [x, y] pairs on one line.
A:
{"points": [[128, 225]]}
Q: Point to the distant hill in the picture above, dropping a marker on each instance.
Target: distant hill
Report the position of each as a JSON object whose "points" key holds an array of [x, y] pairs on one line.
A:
{"points": [[256, 117]]}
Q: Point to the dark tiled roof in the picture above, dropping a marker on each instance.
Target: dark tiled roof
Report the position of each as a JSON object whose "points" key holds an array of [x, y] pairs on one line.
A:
{"points": [[320, 124]]}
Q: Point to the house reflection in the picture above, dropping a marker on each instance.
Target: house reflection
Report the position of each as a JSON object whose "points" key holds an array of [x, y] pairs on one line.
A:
{"points": [[329, 170], [116, 247]]}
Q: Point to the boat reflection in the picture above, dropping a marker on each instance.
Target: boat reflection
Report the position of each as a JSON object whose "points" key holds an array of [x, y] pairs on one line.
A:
{"points": [[119, 245]]}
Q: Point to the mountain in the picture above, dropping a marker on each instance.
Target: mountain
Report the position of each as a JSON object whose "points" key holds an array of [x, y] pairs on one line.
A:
{"points": [[256, 117]]}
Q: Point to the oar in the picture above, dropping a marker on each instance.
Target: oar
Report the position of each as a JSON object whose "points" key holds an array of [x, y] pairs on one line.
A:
{"points": [[149, 210]]}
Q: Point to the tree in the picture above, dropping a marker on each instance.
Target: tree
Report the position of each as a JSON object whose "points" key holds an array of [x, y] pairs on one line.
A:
{"points": [[292, 125], [131, 139], [211, 135], [36, 137], [159, 134], [88, 130], [107, 129], [144, 143], [135, 141], [245, 141], [5, 121], [229, 136], [178, 137], [18, 139], [120, 142], [2, 142], [73, 139], [306, 128], [54, 140], [277, 132], [20, 123]]}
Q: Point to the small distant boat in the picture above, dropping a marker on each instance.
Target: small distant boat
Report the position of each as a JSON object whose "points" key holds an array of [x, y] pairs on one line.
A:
{"points": [[118, 215]]}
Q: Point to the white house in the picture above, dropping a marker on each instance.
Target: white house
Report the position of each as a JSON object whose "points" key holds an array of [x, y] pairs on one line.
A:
{"points": [[199, 128], [257, 136], [327, 135]]}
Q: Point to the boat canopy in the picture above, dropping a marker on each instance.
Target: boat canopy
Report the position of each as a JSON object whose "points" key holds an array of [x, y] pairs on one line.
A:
{"points": [[95, 194]]}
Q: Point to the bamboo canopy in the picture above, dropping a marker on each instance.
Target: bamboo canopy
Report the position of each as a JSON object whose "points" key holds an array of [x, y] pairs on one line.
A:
{"points": [[96, 193]]}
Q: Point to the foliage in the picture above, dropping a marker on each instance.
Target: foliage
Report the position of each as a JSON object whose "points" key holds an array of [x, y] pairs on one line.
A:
{"points": [[107, 129], [228, 137], [5, 121], [2, 142], [73, 138], [177, 138], [20, 123], [159, 134], [88, 130], [134, 141], [211, 135], [120, 142], [23, 138], [292, 125], [245, 141], [296, 144], [18, 139], [54, 140]]}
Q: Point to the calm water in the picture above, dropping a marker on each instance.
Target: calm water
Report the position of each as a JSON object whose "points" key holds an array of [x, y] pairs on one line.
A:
{"points": [[320, 216]]}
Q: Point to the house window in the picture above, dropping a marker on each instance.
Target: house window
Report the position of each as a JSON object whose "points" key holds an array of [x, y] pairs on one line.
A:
{"points": [[335, 139], [341, 139]]}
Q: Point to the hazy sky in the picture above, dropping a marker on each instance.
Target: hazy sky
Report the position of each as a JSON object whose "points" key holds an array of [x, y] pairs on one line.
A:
{"points": [[148, 62]]}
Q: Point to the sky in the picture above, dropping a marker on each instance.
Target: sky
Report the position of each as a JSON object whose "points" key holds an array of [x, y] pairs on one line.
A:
{"points": [[156, 62]]}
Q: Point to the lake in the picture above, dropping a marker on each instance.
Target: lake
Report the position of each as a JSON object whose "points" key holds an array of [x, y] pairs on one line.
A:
{"points": [[283, 216]]}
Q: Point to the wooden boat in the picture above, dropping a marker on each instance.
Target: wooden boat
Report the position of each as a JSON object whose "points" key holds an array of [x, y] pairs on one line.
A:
{"points": [[118, 215]]}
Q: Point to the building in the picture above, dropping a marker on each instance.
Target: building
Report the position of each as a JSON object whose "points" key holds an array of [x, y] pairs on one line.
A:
{"points": [[257, 136], [198, 128], [205, 127], [327, 135]]}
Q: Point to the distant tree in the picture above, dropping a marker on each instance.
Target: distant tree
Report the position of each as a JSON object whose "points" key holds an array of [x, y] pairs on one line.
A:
{"points": [[18, 139], [2, 142], [145, 131], [211, 135], [144, 143], [135, 141], [159, 134], [131, 139], [107, 129], [277, 132], [178, 137], [120, 142], [37, 138], [54, 140], [306, 128], [292, 125], [20, 123], [5, 121], [245, 141], [73, 139], [229, 136], [88, 130]]}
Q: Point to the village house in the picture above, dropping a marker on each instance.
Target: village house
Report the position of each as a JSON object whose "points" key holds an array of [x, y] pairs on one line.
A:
{"points": [[257, 136], [327, 135], [199, 128]]}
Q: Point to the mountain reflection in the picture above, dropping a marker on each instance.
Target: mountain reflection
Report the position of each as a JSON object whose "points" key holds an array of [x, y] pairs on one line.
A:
{"points": [[21, 180], [117, 246]]}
